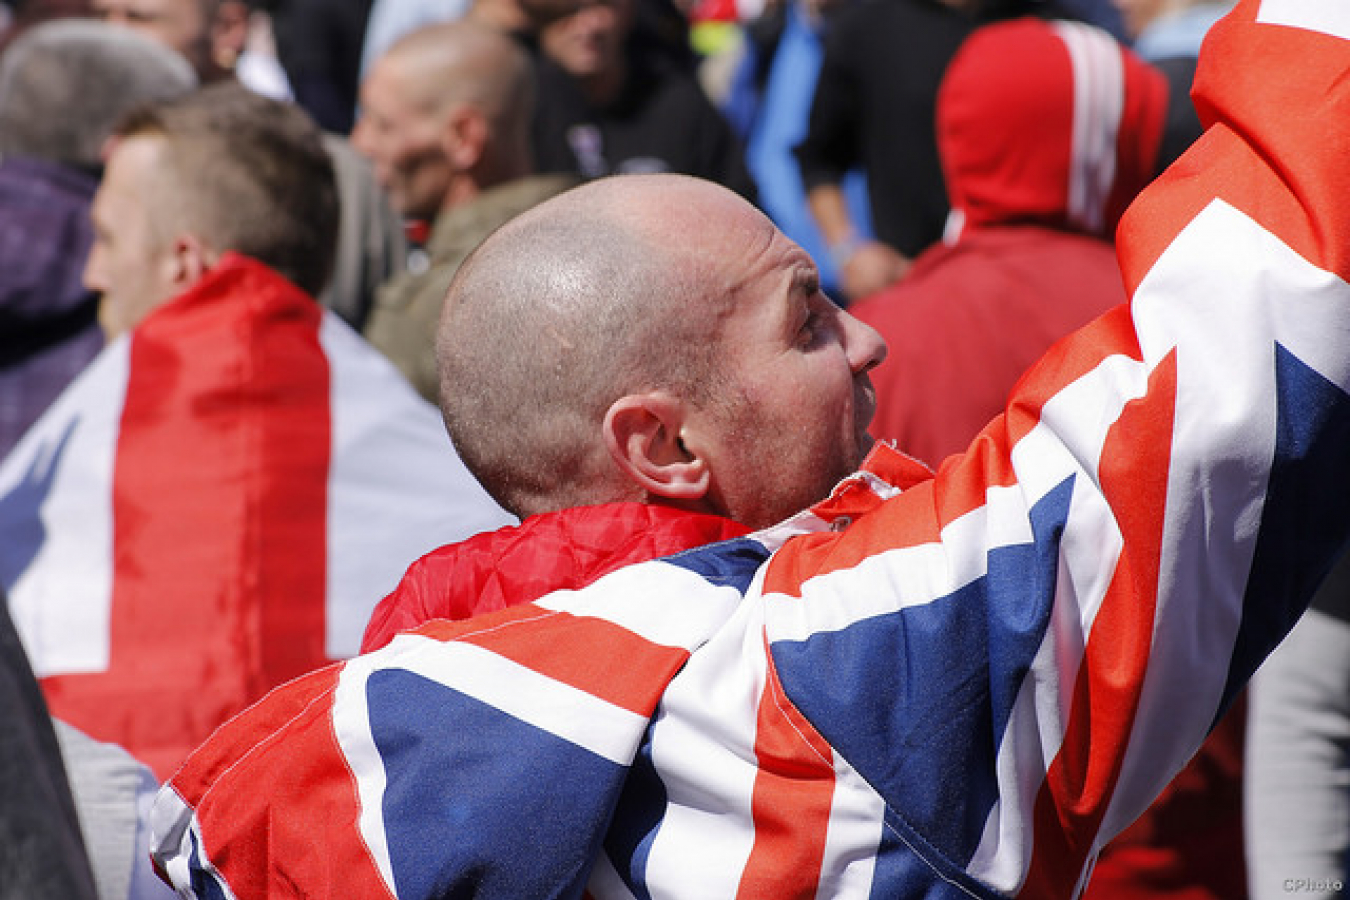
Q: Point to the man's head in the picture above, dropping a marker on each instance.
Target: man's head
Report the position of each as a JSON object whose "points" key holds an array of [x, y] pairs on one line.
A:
{"points": [[222, 169], [210, 34], [588, 43], [1048, 123], [445, 113], [652, 338], [93, 73]]}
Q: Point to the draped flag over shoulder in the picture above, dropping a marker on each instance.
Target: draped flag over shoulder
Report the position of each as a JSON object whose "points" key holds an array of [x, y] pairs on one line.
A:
{"points": [[215, 507], [948, 686]]}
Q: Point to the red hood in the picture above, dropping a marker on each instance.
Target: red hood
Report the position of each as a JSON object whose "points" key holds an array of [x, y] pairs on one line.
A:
{"points": [[1050, 123], [553, 551]]}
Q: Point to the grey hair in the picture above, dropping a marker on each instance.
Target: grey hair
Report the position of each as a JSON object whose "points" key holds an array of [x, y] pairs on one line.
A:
{"points": [[64, 84]]}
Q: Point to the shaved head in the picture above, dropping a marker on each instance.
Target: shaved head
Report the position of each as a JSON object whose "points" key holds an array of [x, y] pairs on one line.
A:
{"points": [[652, 338], [560, 312], [447, 108], [464, 61]]}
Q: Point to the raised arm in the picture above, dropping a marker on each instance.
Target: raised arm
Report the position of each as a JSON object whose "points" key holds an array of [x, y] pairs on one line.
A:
{"points": [[1018, 655]]}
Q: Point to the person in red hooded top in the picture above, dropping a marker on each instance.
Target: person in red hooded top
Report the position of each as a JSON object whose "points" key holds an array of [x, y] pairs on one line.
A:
{"points": [[1046, 131]]}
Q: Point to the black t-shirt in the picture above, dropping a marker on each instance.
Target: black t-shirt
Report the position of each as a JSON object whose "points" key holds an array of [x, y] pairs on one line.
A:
{"points": [[319, 46], [661, 122], [874, 107]]}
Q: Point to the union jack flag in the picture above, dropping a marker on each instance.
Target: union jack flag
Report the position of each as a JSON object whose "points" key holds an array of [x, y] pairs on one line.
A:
{"points": [[951, 685]]}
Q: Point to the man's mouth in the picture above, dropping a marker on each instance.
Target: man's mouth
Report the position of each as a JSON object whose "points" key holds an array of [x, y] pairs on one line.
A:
{"points": [[864, 402]]}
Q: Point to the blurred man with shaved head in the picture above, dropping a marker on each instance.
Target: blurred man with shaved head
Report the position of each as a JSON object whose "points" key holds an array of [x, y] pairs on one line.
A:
{"points": [[445, 124]]}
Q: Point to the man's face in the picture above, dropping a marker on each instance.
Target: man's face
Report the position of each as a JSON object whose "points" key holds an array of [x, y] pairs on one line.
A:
{"points": [[177, 24], [588, 42], [130, 264], [402, 138], [794, 399]]}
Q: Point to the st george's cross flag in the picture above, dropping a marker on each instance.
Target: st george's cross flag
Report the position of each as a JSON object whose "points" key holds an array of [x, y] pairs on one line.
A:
{"points": [[932, 685], [214, 507]]}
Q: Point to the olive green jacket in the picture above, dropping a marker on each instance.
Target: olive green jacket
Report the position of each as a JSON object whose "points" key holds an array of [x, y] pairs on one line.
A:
{"points": [[402, 323]]}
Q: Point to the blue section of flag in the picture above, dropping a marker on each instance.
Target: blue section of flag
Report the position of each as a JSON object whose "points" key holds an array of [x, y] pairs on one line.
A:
{"points": [[22, 530], [205, 884], [918, 700], [636, 822], [1302, 516], [480, 803], [730, 564], [906, 864]]}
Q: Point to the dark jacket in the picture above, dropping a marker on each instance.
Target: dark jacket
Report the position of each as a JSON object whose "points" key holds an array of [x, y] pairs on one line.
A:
{"points": [[48, 321], [41, 853]]}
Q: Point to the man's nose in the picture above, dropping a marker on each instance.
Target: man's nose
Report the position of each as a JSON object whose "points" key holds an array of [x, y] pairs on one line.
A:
{"points": [[865, 346], [90, 276], [360, 137]]}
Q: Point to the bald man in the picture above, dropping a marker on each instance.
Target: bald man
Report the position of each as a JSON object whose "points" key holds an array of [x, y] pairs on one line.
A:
{"points": [[622, 389], [445, 123]]}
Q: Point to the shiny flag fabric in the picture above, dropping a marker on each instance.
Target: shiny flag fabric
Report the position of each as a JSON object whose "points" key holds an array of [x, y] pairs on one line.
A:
{"points": [[214, 507], [952, 686]]}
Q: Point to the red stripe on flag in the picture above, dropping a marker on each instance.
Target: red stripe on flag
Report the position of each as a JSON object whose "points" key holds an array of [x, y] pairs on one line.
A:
{"points": [[591, 654], [219, 510], [284, 755], [794, 788], [1083, 775]]}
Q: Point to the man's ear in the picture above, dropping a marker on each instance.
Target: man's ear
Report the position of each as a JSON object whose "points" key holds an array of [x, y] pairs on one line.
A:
{"points": [[465, 136], [189, 259], [642, 434]]}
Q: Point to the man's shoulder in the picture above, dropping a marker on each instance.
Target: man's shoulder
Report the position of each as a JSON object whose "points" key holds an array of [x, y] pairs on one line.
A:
{"points": [[466, 225], [456, 232], [563, 550]]}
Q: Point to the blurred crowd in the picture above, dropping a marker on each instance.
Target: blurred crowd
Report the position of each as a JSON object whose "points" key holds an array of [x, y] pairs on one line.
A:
{"points": [[956, 168]]}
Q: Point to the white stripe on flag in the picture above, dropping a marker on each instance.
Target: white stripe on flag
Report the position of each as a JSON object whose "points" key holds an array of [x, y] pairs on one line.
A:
{"points": [[703, 746], [857, 814], [396, 487], [676, 607], [77, 435], [1328, 18]]}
